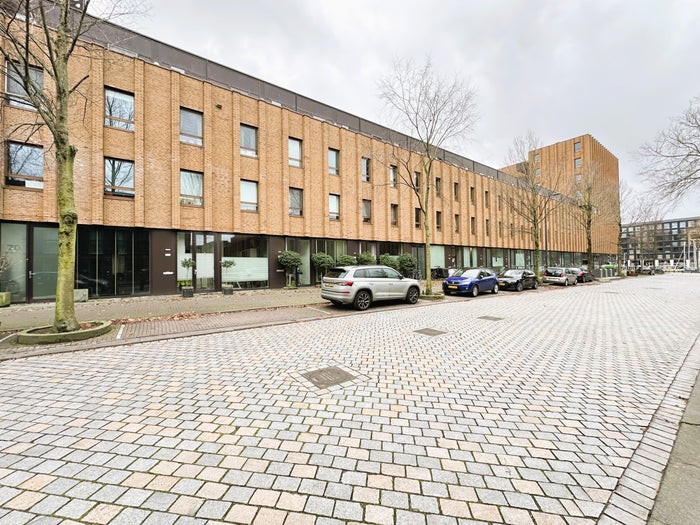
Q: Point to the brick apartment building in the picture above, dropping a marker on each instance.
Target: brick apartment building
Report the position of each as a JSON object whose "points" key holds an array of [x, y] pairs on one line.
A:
{"points": [[179, 157]]}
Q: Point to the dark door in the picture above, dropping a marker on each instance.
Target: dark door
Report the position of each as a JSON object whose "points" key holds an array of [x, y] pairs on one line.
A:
{"points": [[163, 262]]}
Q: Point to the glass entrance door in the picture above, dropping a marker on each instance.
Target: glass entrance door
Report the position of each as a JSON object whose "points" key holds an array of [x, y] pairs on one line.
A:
{"points": [[44, 263], [204, 245]]}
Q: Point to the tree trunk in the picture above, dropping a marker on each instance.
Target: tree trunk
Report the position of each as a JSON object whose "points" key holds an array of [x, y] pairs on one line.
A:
{"points": [[64, 317]]}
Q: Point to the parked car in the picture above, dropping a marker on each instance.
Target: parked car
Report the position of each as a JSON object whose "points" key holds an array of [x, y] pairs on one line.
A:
{"points": [[583, 275], [558, 275], [363, 285], [471, 281], [517, 280]]}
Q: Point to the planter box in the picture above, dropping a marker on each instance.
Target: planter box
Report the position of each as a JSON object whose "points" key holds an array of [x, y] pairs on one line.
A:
{"points": [[5, 298], [80, 295], [187, 291], [227, 289]]}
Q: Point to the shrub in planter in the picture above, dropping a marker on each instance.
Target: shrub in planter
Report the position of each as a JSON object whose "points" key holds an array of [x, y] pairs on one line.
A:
{"points": [[226, 286], [345, 260], [407, 264], [366, 258], [389, 260], [322, 262], [188, 289], [290, 261]]}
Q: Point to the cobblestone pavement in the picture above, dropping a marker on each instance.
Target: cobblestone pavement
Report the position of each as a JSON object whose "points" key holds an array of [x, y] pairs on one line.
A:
{"points": [[521, 408]]}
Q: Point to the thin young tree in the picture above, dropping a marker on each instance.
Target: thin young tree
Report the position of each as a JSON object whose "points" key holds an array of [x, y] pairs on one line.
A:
{"points": [[673, 157], [41, 39], [434, 111], [534, 194]]}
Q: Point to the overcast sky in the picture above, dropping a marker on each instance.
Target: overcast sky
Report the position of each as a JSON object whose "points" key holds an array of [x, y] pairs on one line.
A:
{"points": [[619, 70]]}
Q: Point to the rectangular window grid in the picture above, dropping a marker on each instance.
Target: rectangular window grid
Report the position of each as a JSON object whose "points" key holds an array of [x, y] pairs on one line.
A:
{"points": [[119, 177]]}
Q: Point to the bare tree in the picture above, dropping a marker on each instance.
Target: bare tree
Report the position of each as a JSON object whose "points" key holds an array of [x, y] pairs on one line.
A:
{"points": [[435, 111], [535, 194], [41, 39], [673, 158]]}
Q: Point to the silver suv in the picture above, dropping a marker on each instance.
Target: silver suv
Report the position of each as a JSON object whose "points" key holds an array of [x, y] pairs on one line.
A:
{"points": [[558, 275], [363, 285]]}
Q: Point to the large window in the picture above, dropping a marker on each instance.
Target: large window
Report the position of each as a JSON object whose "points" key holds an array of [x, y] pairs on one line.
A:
{"points": [[366, 169], [394, 215], [333, 161], [296, 201], [366, 210], [119, 109], [119, 177], [249, 141], [191, 188], [249, 195], [334, 207], [190, 126], [295, 152], [25, 166], [249, 252], [17, 95], [578, 162]]}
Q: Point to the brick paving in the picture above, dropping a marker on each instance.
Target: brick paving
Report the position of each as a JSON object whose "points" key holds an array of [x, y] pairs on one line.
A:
{"points": [[546, 407]]}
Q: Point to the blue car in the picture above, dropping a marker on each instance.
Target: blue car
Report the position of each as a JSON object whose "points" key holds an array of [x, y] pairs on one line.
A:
{"points": [[471, 281]]}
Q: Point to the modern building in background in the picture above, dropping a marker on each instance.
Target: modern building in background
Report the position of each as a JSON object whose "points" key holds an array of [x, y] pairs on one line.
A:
{"points": [[180, 157], [665, 244]]}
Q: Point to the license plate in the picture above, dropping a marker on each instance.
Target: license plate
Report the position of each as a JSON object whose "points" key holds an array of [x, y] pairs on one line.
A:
{"points": [[502, 283], [452, 286], [329, 285]]}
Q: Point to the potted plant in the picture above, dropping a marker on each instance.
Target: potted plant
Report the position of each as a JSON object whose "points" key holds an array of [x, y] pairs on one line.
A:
{"points": [[322, 262], [226, 287], [290, 261], [188, 290], [5, 296]]}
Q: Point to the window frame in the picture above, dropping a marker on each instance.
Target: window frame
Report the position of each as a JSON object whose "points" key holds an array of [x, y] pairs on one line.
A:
{"points": [[189, 136], [121, 190], [456, 222], [417, 218], [366, 211], [295, 211], [393, 175], [20, 99], [294, 161], [192, 199], [334, 206], [13, 177], [365, 169], [438, 220], [438, 187], [245, 149], [118, 121], [250, 205], [394, 214], [578, 162], [334, 167]]}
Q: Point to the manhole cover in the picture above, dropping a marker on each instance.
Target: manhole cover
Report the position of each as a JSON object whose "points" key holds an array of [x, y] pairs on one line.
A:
{"points": [[490, 318], [429, 331], [327, 377]]}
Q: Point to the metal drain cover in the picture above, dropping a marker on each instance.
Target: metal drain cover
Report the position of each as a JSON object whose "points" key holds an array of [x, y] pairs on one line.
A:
{"points": [[490, 318], [429, 331], [327, 377]]}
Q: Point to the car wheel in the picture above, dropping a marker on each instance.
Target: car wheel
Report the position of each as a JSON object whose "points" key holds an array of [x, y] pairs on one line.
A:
{"points": [[534, 286], [475, 291], [575, 283], [412, 295], [566, 282], [494, 290], [362, 300], [519, 287]]}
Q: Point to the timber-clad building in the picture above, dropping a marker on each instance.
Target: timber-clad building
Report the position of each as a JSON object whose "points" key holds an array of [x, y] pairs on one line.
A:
{"points": [[180, 157]]}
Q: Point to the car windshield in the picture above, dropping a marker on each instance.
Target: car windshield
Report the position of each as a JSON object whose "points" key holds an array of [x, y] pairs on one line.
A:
{"points": [[512, 273], [471, 273]]}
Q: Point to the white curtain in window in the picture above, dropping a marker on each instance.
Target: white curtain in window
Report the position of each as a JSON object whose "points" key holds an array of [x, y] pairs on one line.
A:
{"points": [[190, 122], [249, 195], [191, 183]]}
